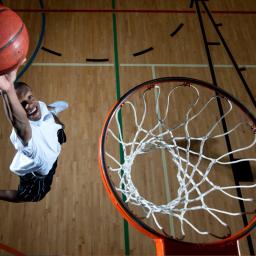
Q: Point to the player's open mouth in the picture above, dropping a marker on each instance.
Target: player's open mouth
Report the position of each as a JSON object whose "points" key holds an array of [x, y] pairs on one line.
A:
{"points": [[32, 111]]}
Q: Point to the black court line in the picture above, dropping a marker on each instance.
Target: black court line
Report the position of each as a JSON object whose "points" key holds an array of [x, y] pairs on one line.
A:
{"points": [[223, 121], [228, 51], [97, 60], [50, 51], [245, 175], [143, 51], [177, 29], [191, 3], [38, 44]]}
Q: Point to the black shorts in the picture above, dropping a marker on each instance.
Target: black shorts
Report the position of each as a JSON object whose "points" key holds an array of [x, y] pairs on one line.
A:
{"points": [[33, 187]]}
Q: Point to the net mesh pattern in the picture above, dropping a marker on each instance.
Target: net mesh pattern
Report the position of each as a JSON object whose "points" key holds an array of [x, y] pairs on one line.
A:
{"points": [[144, 141]]}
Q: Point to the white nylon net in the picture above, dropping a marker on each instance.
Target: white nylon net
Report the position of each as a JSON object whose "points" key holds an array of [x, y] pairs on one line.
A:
{"points": [[189, 196]]}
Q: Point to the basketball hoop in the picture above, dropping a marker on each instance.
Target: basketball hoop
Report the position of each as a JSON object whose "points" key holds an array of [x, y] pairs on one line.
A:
{"points": [[179, 128]]}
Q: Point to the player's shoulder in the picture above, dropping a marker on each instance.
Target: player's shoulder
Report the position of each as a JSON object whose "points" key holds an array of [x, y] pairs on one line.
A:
{"points": [[43, 107]]}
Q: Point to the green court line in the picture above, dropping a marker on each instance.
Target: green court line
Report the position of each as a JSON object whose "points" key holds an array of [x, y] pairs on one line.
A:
{"points": [[118, 95]]}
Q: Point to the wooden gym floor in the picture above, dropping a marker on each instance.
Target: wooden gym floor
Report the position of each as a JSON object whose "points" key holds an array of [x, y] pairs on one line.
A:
{"points": [[77, 217]]}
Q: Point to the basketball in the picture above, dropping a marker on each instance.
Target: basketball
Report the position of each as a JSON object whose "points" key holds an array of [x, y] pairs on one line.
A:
{"points": [[14, 40]]}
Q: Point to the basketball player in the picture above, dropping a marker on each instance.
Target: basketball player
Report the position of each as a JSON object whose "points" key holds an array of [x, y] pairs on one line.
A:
{"points": [[37, 136]]}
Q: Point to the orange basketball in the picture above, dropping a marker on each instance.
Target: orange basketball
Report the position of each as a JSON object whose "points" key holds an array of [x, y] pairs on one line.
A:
{"points": [[14, 40]]}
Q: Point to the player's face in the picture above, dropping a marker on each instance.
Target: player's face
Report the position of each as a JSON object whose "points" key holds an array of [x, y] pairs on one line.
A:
{"points": [[30, 104]]}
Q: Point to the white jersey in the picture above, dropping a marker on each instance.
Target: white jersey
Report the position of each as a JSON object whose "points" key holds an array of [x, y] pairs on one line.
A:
{"points": [[43, 148]]}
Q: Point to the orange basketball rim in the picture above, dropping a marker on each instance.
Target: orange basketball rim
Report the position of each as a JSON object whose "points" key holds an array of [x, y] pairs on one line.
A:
{"points": [[165, 244]]}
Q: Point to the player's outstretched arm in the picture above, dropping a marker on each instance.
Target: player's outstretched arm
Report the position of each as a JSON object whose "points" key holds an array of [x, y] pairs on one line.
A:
{"points": [[14, 111]]}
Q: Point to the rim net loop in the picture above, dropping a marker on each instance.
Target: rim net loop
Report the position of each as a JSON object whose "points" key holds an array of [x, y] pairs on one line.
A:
{"points": [[161, 135]]}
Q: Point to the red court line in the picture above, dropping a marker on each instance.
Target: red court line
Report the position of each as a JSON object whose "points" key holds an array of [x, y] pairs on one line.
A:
{"points": [[10, 250], [129, 11]]}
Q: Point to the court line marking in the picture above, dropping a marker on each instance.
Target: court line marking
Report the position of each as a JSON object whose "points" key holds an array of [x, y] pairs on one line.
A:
{"points": [[38, 44], [187, 65], [50, 64], [73, 64], [165, 168], [184, 11], [118, 95]]}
